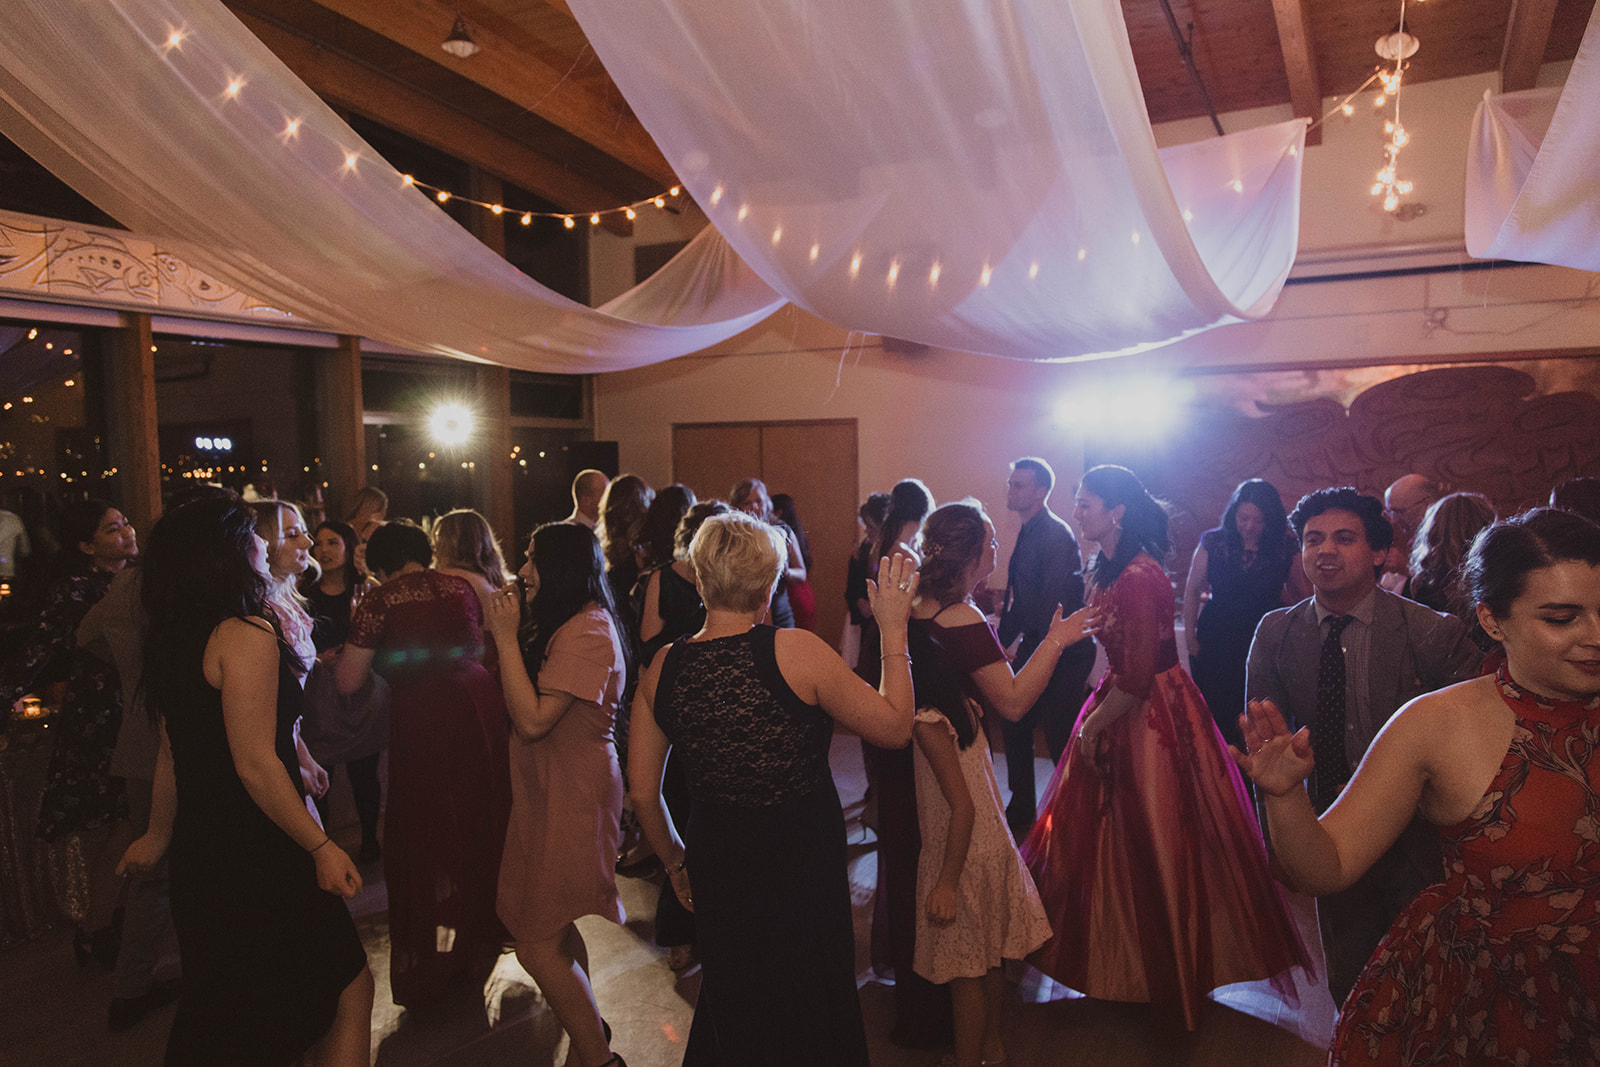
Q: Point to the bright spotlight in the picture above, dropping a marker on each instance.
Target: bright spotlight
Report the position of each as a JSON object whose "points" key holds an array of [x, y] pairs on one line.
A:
{"points": [[1140, 407], [450, 424]]}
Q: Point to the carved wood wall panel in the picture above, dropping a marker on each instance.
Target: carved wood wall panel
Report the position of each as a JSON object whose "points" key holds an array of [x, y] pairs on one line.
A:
{"points": [[1509, 431]]}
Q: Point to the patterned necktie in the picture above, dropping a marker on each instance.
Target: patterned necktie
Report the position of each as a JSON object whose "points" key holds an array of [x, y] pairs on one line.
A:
{"points": [[1327, 731]]}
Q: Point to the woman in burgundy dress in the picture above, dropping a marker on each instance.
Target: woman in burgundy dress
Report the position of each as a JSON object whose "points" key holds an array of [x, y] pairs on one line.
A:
{"points": [[1497, 963], [1146, 853], [449, 782]]}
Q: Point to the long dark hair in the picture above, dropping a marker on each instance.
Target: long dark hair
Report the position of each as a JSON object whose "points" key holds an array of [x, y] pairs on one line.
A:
{"points": [[352, 573], [783, 507], [909, 501], [1144, 520], [1276, 545], [196, 574], [571, 574]]}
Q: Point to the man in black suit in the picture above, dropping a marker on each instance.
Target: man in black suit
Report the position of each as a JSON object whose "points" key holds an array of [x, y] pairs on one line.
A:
{"points": [[1342, 662], [1045, 571]]}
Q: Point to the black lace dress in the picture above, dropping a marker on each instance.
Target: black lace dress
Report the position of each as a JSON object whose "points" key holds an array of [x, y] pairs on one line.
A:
{"points": [[766, 856], [266, 953]]}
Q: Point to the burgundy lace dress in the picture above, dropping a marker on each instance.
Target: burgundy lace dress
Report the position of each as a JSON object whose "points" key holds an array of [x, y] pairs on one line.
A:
{"points": [[1500, 962], [1149, 861], [449, 780]]}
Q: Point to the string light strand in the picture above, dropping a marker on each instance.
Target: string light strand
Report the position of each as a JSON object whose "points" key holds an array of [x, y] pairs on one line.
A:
{"points": [[569, 219]]}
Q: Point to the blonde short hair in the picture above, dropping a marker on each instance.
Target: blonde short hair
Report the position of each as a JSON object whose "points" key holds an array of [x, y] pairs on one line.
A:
{"points": [[737, 560]]}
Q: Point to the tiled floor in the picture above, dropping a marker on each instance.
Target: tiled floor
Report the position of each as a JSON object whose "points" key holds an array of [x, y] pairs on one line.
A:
{"points": [[52, 1013]]}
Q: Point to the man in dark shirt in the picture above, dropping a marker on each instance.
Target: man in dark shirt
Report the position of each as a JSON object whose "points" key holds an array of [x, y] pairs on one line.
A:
{"points": [[1045, 571]]}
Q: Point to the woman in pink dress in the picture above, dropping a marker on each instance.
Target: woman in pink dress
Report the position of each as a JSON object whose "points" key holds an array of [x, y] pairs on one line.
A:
{"points": [[563, 683], [1146, 854], [449, 785]]}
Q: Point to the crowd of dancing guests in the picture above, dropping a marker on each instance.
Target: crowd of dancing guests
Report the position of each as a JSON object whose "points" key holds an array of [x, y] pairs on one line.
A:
{"points": [[1391, 705]]}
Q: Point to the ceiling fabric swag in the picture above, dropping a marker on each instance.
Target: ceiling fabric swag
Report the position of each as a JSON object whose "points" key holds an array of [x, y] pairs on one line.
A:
{"points": [[1532, 162], [175, 120], [978, 175]]}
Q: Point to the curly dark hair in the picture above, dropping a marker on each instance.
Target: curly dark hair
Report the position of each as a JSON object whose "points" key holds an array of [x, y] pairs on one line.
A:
{"points": [[1369, 509]]}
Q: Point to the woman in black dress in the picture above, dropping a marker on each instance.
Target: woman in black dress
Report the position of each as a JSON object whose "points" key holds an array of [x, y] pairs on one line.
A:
{"points": [[1246, 562], [751, 709], [273, 967]]}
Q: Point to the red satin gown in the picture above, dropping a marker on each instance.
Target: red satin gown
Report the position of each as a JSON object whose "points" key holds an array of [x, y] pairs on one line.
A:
{"points": [[1149, 859]]}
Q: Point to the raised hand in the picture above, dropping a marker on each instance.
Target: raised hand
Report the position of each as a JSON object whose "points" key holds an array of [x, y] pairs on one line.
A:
{"points": [[895, 588], [501, 617], [1276, 760]]}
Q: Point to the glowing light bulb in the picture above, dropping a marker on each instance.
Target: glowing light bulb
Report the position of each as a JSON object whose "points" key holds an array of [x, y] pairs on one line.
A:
{"points": [[985, 275], [498, 209], [816, 250], [234, 86], [292, 128], [933, 273], [744, 211], [175, 39], [406, 179], [660, 201], [1033, 270], [566, 220], [594, 220], [894, 270], [855, 264], [716, 196], [1391, 202], [777, 235], [1403, 187], [673, 191], [630, 213], [1083, 254], [527, 219], [442, 196], [349, 161], [1348, 109]]}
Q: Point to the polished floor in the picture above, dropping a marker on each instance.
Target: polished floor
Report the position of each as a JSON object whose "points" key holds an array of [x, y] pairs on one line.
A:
{"points": [[52, 1013]]}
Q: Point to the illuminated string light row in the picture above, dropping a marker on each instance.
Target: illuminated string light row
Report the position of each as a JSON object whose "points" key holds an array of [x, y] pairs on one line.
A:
{"points": [[1389, 184], [294, 125], [569, 219]]}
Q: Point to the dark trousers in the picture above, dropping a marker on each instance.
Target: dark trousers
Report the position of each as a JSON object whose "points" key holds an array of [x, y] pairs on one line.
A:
{"points": [[1056, 711], [1354, 920], [364, 786]]}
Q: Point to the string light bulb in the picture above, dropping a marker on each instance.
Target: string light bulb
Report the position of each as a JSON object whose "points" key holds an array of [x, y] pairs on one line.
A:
{"points": [[594, 220], [442, 196], [568, 222]]}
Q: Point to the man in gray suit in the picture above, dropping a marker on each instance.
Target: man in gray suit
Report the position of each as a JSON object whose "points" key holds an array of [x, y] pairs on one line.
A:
{"points": [[1342, 662]]}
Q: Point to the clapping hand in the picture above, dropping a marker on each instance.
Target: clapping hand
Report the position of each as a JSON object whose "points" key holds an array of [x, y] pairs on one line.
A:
{"points": [[1276, 760], [502, 616]]}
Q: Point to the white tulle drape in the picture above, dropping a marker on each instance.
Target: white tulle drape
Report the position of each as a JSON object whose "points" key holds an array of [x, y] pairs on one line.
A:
{"points": [[308, 216], [974, 174], [1533, 169]]}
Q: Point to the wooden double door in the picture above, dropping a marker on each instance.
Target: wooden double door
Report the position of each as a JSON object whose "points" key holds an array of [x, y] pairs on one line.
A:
{"points": [[813, 461]]}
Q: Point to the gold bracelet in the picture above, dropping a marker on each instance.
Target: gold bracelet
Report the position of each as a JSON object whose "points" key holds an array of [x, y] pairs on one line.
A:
{"points": [[891, 655]]}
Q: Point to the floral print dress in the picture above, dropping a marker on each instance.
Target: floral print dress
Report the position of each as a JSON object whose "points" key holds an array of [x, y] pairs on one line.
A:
{"points": [[80, 793], [1500, 963]]}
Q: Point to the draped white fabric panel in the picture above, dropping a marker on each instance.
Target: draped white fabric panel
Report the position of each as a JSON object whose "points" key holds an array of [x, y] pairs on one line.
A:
{"points": [[150, 133], [1533, 169], [974, 174]]}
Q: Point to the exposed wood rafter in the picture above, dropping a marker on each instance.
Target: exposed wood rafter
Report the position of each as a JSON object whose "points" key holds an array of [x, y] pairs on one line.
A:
{"points": [[352, 85], [1300, 63], [510, 71], [1527, 37]]}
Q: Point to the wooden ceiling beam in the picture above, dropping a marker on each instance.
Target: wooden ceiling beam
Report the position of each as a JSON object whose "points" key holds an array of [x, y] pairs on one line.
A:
{"points": [[1527, 37], [507, 70], [349, 84], [1300, 63]]}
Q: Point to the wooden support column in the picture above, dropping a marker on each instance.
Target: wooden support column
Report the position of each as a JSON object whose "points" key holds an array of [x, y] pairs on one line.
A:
{"points": [[495, 484], [341, 436], [130, 418]]}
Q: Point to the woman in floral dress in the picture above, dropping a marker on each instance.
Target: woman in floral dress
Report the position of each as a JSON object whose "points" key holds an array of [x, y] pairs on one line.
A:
{"points": [[1498, 963]]}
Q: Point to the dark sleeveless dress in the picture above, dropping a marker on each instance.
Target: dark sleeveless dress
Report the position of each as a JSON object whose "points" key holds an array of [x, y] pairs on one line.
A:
{"points": [[1240, 596], [266, 953], [766, 856]]}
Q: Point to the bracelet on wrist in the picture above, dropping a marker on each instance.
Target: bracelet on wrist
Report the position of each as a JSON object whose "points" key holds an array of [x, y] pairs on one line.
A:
{"points": [[892, 655], [680, 867], [324, 841]]}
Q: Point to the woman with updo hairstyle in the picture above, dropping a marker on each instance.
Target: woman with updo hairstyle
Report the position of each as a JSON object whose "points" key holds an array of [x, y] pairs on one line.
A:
{"points": [[762, 865], [273, 967], [1496, 963], [1438, 550], [975, 904], [1246, 563], [1580, 495], [1146, 851], [449, 779]]}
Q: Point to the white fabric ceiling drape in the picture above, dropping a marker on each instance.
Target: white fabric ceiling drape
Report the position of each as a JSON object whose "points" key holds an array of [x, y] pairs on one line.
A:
{"points": [[150, 134], [974, 174], [1533, 169]]}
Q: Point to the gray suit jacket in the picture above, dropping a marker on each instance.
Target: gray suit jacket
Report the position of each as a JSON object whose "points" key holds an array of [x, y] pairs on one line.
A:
{"points": [[1414, 650]]}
